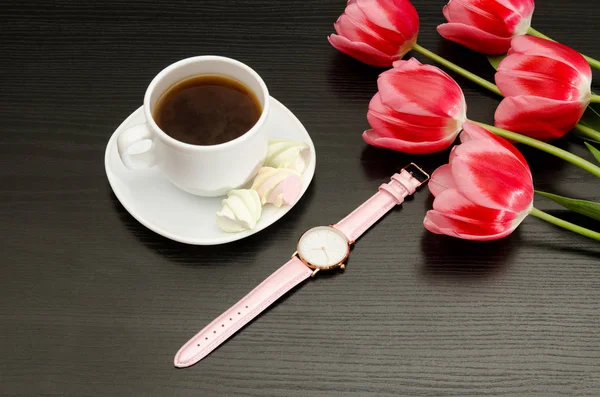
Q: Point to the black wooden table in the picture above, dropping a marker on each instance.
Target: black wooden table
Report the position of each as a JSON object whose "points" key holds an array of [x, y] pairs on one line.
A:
{"points": [[94, 304]]}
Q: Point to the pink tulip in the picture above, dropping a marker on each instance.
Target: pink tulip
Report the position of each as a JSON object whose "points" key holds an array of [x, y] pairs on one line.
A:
{"points": [[486, 26], [376, 32], [484, 193], [547, 88], [418, 109]]}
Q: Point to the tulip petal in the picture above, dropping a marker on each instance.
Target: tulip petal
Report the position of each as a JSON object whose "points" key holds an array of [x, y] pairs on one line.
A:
{"points": [[439, 223], [377, 106], [361, 51], [355, 32], [474, 38], [441, 180], [392, 124], [354, 13], [399, 15], [425, 91], [474, 131], [451, 202], [493, 17], [489, 175], [409, 64], [522, 7], [533, 46], [540, 118], [520, 74], [374, 139], [400, 129]]}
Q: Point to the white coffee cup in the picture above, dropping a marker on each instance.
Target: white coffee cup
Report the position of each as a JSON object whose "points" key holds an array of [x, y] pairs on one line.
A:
{"points": [[200, 170]]}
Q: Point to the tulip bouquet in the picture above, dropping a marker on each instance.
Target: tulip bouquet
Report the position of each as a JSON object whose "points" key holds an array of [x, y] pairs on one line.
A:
{"points": [[488, 26], [486, 190], [548, 85]]}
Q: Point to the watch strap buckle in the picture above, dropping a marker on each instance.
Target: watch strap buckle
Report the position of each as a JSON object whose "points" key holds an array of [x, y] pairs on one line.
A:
{"points": [[417, 173]]}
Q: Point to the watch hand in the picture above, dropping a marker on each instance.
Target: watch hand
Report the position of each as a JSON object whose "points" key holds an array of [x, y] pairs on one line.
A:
{"points": [[325, 252]]}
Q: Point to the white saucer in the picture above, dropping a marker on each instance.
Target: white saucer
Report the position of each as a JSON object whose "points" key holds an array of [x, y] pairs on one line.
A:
{"points": [[157, 204]]}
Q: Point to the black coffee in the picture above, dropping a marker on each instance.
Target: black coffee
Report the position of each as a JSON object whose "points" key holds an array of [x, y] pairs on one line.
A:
{"points": [[207, 110]]}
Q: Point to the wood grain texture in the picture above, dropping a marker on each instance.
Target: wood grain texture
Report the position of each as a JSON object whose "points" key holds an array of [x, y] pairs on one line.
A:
{"points": [[94, 304]]}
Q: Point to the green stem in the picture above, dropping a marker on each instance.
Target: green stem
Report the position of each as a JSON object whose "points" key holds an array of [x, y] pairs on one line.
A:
{"points": [[595, 98], [545, 147], [533, 32], [463, 72], [564, 224], [588, 132], [593, 62]]}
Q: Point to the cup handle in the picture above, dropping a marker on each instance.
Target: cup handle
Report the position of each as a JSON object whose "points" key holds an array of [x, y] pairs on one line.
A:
{"points": [[130, 137]]}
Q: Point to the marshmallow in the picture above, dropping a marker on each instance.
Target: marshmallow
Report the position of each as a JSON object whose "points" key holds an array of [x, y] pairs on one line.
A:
{"points": [[285, 153], [241, 211], [278, 186]]}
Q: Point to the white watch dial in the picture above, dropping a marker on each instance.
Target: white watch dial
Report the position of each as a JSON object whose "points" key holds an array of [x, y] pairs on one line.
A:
{"points": [[323, 247]]}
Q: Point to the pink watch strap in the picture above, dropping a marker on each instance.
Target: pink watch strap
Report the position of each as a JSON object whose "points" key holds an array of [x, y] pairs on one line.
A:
{"points": [[389, 195], [215, 333]]}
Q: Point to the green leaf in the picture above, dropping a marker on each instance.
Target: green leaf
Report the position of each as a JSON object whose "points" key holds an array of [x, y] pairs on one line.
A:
{"points": [[583, 207], [594, 151], [591, 117], [495, 60], [579, 134]]}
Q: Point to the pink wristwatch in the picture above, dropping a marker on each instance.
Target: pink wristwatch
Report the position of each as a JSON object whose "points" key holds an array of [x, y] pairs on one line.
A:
{"points": [[320, 248]]}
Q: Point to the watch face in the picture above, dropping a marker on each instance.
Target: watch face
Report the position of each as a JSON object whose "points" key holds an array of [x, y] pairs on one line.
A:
{"points": [[323, 247]]}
